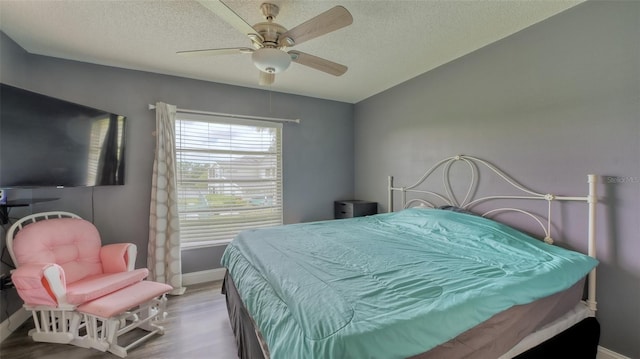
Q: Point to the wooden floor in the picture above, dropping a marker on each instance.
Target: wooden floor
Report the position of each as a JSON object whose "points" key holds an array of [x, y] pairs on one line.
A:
{"points": [[197, 326]]}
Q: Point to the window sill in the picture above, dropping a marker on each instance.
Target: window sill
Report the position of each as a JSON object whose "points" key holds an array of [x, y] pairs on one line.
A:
{"points": [[195, 245]]}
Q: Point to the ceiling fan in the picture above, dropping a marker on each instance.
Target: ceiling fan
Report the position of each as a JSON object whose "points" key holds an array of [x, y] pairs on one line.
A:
{"points": [[270, 40]]}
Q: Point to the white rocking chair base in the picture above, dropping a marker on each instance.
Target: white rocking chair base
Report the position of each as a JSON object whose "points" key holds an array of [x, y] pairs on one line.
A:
{"points": [[105, 327], [82, 327]]}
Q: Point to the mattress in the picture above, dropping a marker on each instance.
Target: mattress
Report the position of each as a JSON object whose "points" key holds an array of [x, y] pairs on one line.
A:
{"points": [[392, 285], [500, 335], [488, 340]]}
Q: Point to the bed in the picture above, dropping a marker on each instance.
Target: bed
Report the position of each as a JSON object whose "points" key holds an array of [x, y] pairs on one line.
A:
{"points": [[435, 279]]}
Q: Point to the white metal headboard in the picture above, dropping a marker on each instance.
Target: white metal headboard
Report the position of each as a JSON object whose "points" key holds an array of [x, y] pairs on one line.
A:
{"points": [[468, 202]]}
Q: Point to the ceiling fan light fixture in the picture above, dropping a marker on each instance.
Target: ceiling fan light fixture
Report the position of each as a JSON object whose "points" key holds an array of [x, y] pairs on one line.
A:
{"points": [[271, 60]]}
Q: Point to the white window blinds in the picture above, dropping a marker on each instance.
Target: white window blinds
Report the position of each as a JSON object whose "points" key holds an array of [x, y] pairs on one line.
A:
{"points": [[229, 177]]}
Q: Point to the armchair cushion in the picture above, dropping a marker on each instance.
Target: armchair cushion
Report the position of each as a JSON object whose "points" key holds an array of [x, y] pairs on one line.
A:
{"points": [[96, 286], [88, 270], [125, 299], [72, 243], [115, 258], [32, 285]]}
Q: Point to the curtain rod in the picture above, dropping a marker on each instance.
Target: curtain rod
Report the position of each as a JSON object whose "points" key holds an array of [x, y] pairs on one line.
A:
{"points": [[245, 117]]}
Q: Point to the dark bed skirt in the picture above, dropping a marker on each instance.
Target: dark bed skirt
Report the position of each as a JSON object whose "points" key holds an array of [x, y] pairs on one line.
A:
{"points": [[246, 338], [579, 341]]}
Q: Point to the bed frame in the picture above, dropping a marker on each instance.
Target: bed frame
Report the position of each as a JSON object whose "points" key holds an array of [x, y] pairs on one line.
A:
{"points": [[252, 346], [428, 198]]}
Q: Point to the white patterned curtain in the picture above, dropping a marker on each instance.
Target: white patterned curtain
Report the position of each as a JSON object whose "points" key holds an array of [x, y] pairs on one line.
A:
{"points": [[163, 257]]}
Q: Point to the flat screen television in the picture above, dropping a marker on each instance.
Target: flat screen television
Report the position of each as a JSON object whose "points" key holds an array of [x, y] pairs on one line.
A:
{"points": [[48, 142]]}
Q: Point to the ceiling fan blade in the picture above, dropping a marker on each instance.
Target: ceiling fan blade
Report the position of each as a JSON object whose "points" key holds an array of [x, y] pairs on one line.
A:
{"points": [[318, 63], [221, 9], [330, 20], [266, 78], [211, 52]]}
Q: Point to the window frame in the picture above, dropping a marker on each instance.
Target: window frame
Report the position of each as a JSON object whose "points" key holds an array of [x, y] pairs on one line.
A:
{"points": [[277, 207]]}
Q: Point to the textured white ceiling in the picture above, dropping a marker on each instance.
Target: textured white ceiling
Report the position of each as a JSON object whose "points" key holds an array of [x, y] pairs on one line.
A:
{"points": [[388, 43]]}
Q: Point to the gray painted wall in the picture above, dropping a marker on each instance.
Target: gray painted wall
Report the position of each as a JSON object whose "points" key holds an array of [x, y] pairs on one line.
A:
{"points": [[549, 104], [317, 153]]}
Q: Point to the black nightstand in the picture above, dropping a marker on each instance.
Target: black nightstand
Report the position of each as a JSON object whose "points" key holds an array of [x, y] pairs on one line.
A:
{"points": [[354, 208]]}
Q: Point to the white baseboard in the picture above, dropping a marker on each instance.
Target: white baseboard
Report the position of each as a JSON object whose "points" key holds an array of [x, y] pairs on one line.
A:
{"points": [[209, 275], [604, 353], [12, 323]]}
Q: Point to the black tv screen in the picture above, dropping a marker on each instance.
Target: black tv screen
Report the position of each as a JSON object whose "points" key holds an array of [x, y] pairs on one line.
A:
{"points": [[47, 142]]}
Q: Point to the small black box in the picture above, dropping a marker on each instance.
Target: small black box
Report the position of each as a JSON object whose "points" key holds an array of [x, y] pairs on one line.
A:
{"points": [[354, 208]]}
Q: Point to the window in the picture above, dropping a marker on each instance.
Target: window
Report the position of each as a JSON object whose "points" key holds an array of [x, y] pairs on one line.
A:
{"points": [[229, 175]]}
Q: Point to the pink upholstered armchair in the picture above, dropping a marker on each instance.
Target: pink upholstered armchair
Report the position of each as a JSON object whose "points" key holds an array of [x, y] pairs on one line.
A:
{"points": [[70, 281]]}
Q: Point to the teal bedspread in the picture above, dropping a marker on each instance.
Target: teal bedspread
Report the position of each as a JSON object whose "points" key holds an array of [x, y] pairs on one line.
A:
{"points": [[390, 285]]}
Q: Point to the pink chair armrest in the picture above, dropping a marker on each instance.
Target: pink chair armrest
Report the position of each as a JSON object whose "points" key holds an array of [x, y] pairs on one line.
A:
{"points": [[40, 284], [119, 257]]}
